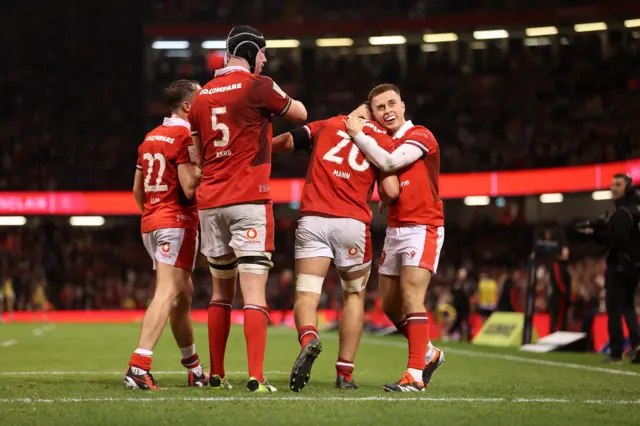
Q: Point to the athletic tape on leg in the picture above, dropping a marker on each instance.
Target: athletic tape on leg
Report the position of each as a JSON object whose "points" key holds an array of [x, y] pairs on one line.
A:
{"points": [[310, 283], [254, 262], [223, 269], [356, 285]]}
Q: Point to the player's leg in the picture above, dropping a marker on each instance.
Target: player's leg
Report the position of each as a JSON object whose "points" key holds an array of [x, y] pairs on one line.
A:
{"points": [[310, 273], [223, 267], [351, 240], [251, 227], [165, 247], [420, 248], [180, 316], [354, 281]]}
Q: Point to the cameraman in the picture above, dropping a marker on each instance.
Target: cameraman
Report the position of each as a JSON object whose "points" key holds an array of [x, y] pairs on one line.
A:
{"points": [[622, 236]]}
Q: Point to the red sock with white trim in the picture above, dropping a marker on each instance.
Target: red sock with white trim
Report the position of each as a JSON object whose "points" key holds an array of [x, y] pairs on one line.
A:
{"points": [[219, 321], [344, 368], [306, 333], [141, 359], [256, 321], [418, 336]]}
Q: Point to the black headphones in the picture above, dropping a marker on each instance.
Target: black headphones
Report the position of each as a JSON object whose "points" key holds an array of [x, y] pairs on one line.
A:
{"points": [[628, 180]]}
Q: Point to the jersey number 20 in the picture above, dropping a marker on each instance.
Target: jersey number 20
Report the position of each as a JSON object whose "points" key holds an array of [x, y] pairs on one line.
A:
{"points": [[332, 154]]}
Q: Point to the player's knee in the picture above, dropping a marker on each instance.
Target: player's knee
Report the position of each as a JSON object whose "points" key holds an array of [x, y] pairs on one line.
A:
{"points": [[254, 262], [309, 283], [354, 285], [223, 268]]}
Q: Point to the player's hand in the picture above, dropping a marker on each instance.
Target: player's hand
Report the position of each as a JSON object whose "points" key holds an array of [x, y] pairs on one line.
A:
{"points": [[354, 126], [198, 175]]}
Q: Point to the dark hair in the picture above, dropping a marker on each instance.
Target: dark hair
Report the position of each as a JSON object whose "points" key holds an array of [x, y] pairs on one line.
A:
{"points": [[178, 92], [628, 181], [380, 89]]}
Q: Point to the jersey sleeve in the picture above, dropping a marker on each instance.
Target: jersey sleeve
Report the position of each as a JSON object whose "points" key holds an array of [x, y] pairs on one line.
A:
{"points": [[268, 95], [186, 152], [313, 128], [139, 160], [423, 139]]}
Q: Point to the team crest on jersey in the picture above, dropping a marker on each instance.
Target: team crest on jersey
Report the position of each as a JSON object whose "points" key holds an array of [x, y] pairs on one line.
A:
{"points": [[166, 248], [383, 256], [353, 251], [252, 233]]}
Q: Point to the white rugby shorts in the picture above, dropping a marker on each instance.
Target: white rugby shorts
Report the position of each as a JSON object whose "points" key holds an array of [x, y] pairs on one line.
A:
{"points": [[244, 227], [174, 246], [346, 241], [415, 245]]}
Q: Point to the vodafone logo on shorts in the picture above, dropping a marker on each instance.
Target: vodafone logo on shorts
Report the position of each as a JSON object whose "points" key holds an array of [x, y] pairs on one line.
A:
{"points": [[252, 234], [165, 248], [353, 251]]}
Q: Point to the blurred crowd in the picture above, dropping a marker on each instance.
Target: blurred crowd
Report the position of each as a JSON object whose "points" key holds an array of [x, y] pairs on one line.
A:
{"points": [[480, 270], [296, 11]]}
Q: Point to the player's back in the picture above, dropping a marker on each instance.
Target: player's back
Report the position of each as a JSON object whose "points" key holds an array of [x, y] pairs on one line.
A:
{"points": [[232, 116], [340, 179], [419, 201], [162, 150]]}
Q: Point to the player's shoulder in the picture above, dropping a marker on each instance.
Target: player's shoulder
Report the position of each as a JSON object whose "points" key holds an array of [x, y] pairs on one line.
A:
{"points": [[420, 132], [374, 127]]}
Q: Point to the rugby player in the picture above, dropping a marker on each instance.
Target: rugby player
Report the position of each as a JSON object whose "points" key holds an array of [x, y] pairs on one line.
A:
{"points": [[164, 188], [231, 126], [334, 227], [416, 229]]}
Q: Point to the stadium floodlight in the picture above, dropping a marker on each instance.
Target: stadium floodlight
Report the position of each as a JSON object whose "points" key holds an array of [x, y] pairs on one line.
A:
{"points": [[490, 34], [537, 41], [334, 42], [592, 26], [602, 195], [554, 197], [283, 44], [632, 23], [13, 220], [86, 220], [214, 44], [385, 40], [429, 47], [541, 31], [166, 44], [440, 37], [477, 200]]}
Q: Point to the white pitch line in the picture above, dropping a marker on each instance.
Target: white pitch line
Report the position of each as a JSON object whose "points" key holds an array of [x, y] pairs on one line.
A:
{"points": [[326, 399], [120, 373], [8, 343], [481, 354]]}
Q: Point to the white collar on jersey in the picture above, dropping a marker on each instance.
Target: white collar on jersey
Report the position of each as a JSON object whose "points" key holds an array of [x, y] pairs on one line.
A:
{"points": [[402, 130], [175, 121], [227, 70]]}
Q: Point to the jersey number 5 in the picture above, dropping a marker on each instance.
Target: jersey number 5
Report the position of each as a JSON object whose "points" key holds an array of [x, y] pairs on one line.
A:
{"points": [[151, 159], [332, 154], [223, 128]]}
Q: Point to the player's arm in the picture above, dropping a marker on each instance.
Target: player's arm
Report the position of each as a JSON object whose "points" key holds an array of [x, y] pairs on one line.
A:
{"points": [[404, 156], [189, 174], [388, 188], [138, 188], [197, 145], [270, 96], [300, 139]]}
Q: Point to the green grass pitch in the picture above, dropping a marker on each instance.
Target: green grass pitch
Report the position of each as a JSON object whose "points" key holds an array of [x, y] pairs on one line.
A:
{"points": [[71, 375]]}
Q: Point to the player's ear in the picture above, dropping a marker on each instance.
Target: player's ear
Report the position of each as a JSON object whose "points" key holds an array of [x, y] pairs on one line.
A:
{"points": [[403, 106], [186, 106]]}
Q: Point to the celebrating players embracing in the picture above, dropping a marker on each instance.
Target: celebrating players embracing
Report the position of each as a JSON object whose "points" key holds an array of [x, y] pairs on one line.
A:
{"points": [[164, 186], [334, 226], [231, 127], [416, 229]]}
